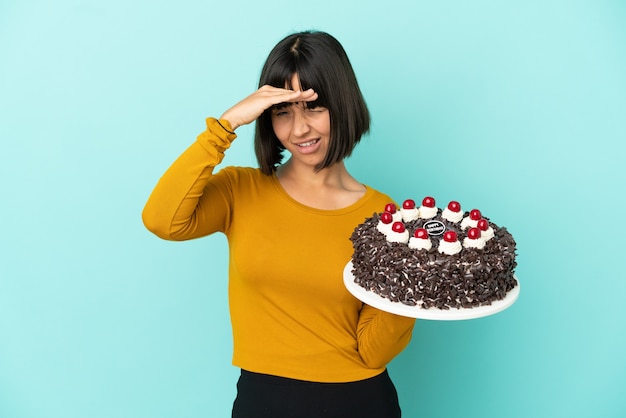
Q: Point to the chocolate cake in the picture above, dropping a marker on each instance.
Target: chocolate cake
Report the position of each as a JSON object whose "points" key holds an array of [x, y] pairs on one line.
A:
{"points": [[434, 258]]}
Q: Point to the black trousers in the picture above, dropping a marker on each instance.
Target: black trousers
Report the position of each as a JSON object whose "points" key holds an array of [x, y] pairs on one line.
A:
{"points": [[266, 396]]}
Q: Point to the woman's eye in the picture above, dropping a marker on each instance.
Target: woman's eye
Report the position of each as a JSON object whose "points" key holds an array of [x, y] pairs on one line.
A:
{"points": [[281, 112]]}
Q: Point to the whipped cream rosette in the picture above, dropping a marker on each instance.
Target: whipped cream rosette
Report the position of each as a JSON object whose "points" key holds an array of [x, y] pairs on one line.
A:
{"points": [[398, 233], [420, 240], [409, 211], [452, 212], [428, 209], [471, 220], [473, 239], [486, 231], [450, 244], [393, 210], [385, 223]]}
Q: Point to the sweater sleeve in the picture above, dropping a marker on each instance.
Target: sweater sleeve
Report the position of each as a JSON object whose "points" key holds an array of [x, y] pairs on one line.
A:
{"points": [[381, 336], [181, 206]]}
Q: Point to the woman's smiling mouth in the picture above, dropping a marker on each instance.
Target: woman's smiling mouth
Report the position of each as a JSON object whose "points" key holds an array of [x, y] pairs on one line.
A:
{"points": [[308, 143]]}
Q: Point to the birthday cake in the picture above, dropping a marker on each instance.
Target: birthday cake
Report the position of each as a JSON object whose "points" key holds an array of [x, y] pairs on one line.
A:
{"points": [[434, 258]]}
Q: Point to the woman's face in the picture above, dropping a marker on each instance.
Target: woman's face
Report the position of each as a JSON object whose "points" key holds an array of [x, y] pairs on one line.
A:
{"points": [[304, 132]]}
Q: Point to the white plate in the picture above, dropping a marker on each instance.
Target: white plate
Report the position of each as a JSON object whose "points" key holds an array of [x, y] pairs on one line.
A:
{"points": [[399, 308]]}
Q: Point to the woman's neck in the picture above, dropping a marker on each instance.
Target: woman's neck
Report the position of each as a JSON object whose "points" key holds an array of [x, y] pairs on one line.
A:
{"points": [[329, 188]]}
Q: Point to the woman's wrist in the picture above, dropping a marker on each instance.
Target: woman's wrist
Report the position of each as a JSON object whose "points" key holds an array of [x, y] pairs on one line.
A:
{"points": [[231, 119], [226, 125]]}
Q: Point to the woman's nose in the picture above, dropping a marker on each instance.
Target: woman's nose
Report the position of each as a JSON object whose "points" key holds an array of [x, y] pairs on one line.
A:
{"points": [[300, 122]]}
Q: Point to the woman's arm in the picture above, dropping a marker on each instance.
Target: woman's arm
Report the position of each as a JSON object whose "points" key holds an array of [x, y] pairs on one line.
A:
{"points": [[179, 207], [381, 336]]}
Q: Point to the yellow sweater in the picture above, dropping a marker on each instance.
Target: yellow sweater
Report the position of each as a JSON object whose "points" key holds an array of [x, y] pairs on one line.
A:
{"points": [[290, 312]]}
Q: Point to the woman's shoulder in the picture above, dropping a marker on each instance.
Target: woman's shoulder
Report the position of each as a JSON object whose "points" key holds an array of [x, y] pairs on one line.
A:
{"points": [[242, 175], [376, 194], [376, 199], [241, 172]]}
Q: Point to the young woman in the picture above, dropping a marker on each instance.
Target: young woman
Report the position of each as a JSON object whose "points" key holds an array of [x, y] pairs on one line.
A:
{"points": [[305, 346]]}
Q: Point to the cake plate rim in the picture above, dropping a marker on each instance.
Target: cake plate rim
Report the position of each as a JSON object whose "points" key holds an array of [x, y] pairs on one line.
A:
{"points": [[452, 314]]}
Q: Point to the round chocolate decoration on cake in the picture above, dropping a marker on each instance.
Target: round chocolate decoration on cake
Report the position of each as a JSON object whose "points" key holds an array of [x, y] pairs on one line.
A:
{"points": [[435, 228]]}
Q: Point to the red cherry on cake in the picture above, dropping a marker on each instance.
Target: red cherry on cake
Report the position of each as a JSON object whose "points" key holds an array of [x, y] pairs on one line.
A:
{"points": [[483, 225], [454, 206], [390, 207], [475, 215], [473, 233], [428, 202], [449, 236], [397, 227], [408, 204], [421, 233], [386, 218]]}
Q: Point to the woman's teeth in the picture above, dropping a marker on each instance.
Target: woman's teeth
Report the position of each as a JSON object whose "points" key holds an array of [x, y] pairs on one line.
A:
{"points": [[308, 144]]}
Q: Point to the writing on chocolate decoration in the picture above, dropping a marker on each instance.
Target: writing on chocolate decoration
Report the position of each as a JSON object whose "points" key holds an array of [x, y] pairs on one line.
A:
{"points": [[434, 227]]}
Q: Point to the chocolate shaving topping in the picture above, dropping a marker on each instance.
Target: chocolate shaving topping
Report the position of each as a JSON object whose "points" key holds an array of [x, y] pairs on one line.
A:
{"points": [[474, 277]]}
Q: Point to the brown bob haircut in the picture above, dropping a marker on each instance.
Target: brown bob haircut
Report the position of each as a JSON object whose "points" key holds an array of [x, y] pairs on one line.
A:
{"points": [[322, 64]]}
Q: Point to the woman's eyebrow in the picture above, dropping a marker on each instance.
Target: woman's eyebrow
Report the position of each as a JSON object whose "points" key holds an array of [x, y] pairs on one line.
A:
{"points": [[313, 104], [281, 105]]}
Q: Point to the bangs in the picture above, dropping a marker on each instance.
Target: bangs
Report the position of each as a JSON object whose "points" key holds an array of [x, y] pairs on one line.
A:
{"points": [[309, 105], [309, 78]]}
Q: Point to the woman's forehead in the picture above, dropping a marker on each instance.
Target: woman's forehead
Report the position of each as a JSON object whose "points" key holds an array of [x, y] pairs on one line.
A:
{"points": [[294, 82]]}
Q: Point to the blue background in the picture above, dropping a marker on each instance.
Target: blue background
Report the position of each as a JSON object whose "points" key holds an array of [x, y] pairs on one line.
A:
{"points": [[518, 108]]}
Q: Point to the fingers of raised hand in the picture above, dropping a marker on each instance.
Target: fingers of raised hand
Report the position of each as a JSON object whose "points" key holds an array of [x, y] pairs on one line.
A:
{"points": [[276, 95], [250, 108]]}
